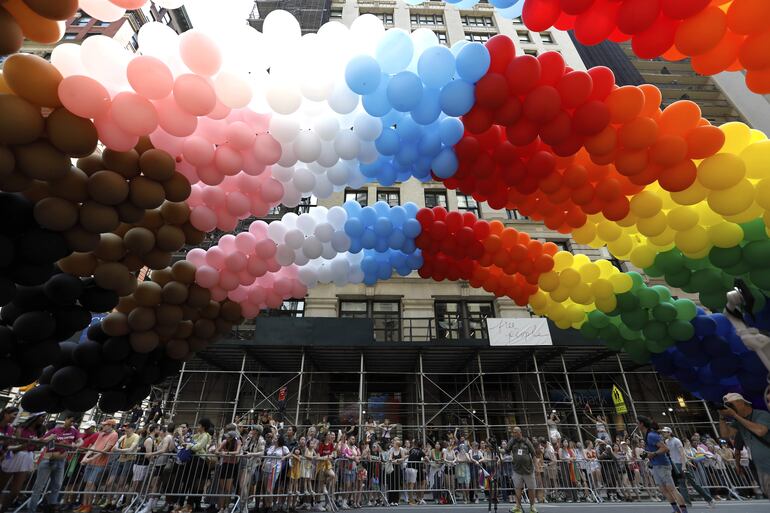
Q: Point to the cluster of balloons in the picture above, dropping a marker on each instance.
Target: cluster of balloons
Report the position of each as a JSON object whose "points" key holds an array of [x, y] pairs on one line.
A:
{"points": [[717, 36], [714, 361], [112, 10], [381, 227], [38, 20]]}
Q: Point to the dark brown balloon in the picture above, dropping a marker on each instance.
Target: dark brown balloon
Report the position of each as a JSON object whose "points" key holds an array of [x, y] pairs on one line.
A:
{"points": [[184, 272], [130, 213], [108, 187], [223, 327], [231, 311], [211, 310], [79, 264], [91, 164], [37, 191], [157, 259], [81, 240], [41, 161], [56, 10], [198, 297], [184, 329], [124, 162], [197, 344], [33, 78], [192, 235], [146, 193], [133, 262], [177, 349], [115, 324], [165, 331], [139, 240], [143, 145], [11, 36], [15, 182], [204, 328], [175, 213], [141, 318], [175, 293], [112, 275], [72, 187], [170, 238], [148, 293], [169, 315], [71, 134], [56, 214], [157, 165], [21, 122], [152, 220], [7, 161], [161, 276], [190, 313], [111, 247], [126, 305], [98, 218], [128, 288], [144, 342], [178, 188]]}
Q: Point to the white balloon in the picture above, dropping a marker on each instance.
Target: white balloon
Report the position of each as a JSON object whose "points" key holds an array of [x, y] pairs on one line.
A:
{"points": [[106, 60], [284, 128], [307, 146], [340, 268], [308, 276], [283, 95], [289, 220], [356, 179], [366, 31], [319, 213], [337, 217], [324, 232], [323, 187], [101, 10], [343, 100], [366, 127], [328, 156], [324, 273], [294, 238], [312, 247], [291, 196], [306, 223], [304, 180], [326, 127], [340, 241], [338, 174], [346, 144], [367, 153], [282, 174], [276, 232], [157, 39], [281, 27], [66, 58], [356, 276], [232, 90], [300, 258], [284, 255], [328, 252], [288, 159]]}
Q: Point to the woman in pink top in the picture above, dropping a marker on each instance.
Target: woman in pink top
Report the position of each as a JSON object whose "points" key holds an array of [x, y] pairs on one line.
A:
{"points": [[17, 467]]}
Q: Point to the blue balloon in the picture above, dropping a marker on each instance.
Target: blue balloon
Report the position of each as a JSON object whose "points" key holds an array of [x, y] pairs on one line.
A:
{"points": [[457, 98], [415, 260], [412, 228], [706, 376], [451, 131], [369, 265], [704, 325], [716, 346], [502, 4], [751, 363], [686, 375], [736, 344], [362, 74], [422, 168], [388, 142], [403, 174], [383, 227], [430, 144], [514, 11], [382, 209], [407, 129], [404, 91], [384, 271], [370, 279], [396, 239], [381, 246], [354, 228], [753, 383], [398, 216], [404, 270], [411, 208], [355, 246], [373, 169], [408, 154], [689, 347], [396, 258], [353, 208], [445, 164], [387, 175], [663, 363], [368, 239], [429, 108], [376, 103], [409, 247], [473, 62], [436, 66], [368, 216], [394, 52], [724, 326], [725, 365]]}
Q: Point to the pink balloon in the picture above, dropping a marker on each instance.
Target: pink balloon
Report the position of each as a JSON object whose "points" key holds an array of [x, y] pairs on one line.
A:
{"points": [[210, 175], [167, 142], [221, 111], [282, 286], [200, 53], [240, 135], [207, 277], [188, 171], [273, 266], [198, 151], [247, 184], [196, 256], [112, 135], [134, 114], [236, 262], [196, 196], [272, 190], [267, 149], [227, 243], [258, 122], [238, 295], [258, 229], [246, 278], [214, 131], [129, 4], [251, 165], [213, 197], [258, 207], [203, 219], [249, 310], [256, 267], [215, 257], [230, 184], [225, 221], [228, 280], [194, 94], [237, 204], [173, 119], [84, 96], [218, 294], [265, 249], [298, 289], [256, 295], [273, 299], [228, 160], [245, 242], [150, 77]]}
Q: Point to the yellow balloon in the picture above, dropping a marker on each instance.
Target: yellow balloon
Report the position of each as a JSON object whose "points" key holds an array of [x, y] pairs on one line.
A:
{"points": [[621, 283], [757, 135], [585, 234], [549, 281], [643, 256], [762, 189], [694, 240], [628, 221], [608, 231], [606, 268], [725, 234], [751, 213], [665, 239], [590, 272], [737, 137], [690, 196], [606, 304], [652, 226], [602, 288], [646, 204], [683, 218], [538, 300], [562, 260], [734, 200], [756, 157], [580, 261], [575, 314], [569, 278], [721, 171], [621, 247], [582, 294]]}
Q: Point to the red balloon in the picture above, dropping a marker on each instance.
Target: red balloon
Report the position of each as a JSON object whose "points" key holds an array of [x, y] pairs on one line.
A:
{"points": [[454, 221], [481, 230], [505, 154], [603, 82], [569, 146], [522, 133], [492, 89], [514, 173], [575, 88], [656, 40], [557, 130], [509, 112], [576, 6], [595, 25], [540, 15], [478, 120], [551, 68], [682, 9], [425, 217], [523, 74], [467, 149], [542, 105], [469, 219], [617, 209], [636, 16], [502, 51], [591, 118]]}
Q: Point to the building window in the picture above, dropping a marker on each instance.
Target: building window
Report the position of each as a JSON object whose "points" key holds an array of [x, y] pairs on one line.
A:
{"points": [[442, 40], [427, 19], [477, 38], [391, 197], [546, 37], [517, 20], [562, 244], [289, 308], [134, 43], [82, 20], [457, 320], [167, 18], [385, 17], [524, 36], [477, 21], [515, 214], [102, 24], [468, 204], [274, 212], [386, 316], [360, 196], [335, 14], [70, 36], [435, 199], [307, 204], [529, 51]]}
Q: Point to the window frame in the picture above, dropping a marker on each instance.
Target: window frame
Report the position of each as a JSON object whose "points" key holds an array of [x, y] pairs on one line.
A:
{"points": [[436, 192], [465, 324], [476, 209], [355, 193], [389, 192], [390, 331]]}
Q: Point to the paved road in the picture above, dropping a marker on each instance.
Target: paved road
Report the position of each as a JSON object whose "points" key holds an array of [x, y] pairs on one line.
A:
{"points": [[645, 507]]}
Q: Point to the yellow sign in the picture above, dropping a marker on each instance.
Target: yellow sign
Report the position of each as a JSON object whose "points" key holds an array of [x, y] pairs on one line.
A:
{"points": [[620, 403]]}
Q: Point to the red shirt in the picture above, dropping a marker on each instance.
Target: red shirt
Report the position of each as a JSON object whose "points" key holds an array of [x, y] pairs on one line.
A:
{"points": [[325, 449]]}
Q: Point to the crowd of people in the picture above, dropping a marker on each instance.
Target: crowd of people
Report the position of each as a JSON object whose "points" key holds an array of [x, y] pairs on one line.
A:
{"points": [[267, 465]]}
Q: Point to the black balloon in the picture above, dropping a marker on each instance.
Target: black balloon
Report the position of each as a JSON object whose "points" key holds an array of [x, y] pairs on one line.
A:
{"points": [[7, 251], [116, 349], [39, 355], [137, 392], [97, 334], [42, 398], [31, 298], [112, 401], [68, 380], [15, 214], [10, 372], [7, 291], [81, 401], [7, 340], [63, 289], [29, 375], [99, 300], [87, 354], [72, 318], [34, 326], [42, 246], [46, 375], [31, 274], [9, 313], [107, 376], [67, 350]]}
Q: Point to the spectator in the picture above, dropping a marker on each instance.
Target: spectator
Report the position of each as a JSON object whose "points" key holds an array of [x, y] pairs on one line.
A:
{"points": [[73, 475], [135, 415], [657, 453], [145, 450], [415, 471], [323, 427], [121, 468], [602, 429], [370, 430], [228, 450], [160, 460], [553, 426], [50, 471], [753, 426], [18, 465], [386, 427], [523, 453], [95, 461], [274, 461], [198, 469], [393, 471], [156, 413]]}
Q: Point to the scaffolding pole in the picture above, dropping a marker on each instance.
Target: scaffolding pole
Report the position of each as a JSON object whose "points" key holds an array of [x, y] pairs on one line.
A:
{"points": [[200, 399], [711, 420], [299, 391], [238, 391], [540, 388], [571, 398], [178, 389], [422, 401], [628, 388], [483, 393], [361, 395]]}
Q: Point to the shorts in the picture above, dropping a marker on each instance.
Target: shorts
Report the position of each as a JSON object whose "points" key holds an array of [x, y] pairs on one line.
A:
{"points": [[662, 475], [120, 469], [411, 475], [228, 470], [92, 473], [22, 461], [520, 480], [140, 471]]}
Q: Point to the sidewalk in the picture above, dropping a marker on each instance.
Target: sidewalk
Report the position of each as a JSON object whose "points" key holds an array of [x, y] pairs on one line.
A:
{"points": [[762, 506]]}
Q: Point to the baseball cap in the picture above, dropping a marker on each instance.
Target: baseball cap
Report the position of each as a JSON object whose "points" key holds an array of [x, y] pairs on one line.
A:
{"points": [[87, 424], [734, 396], [665, 429], [111, 422]]}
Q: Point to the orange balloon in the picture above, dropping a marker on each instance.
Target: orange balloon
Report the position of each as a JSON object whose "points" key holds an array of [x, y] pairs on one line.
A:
{"points": [[669, 150], [575, 176], [608, 190], [702, 32], [719, 58], [753, 53], [673, 55], [603, 160], [679, 117], [758, 81], [631, 162], [603, 142], [652, 101], [583, 195], [678, 178], [704, 141], [33, 25], [625, 104], [646, 177], [496, 227], [748, 16], [597, 172], [638, 134]]}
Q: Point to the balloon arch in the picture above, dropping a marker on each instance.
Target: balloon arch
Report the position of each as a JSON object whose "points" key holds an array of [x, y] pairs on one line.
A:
{"points": [[199, 134]]}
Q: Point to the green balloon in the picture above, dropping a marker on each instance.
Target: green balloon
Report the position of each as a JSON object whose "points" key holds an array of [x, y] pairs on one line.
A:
{"points": [[628, 333], [757, 253], [616, 344], [754, 230], [589, 331], [627, 302], [695, 264], [598, 319], [664, 312], [760, 278], [760, 300], [653, 271], [635, 320], [669, 261], [706, 280], [655, 330], [648, 298], [686, 310], [725, 257], [609, 332], [738, 269], [681, 330], [714, 301], [678, 279], [637, 279], [638, 351], [658, 346], [662, 291]]}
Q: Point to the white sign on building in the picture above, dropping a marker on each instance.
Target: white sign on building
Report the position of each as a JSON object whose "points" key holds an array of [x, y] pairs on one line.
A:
{"points": [[519, 332]]}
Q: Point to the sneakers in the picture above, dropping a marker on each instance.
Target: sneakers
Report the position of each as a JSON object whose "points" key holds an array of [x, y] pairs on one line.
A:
{"points": [[711, 504], [516, 509], [532, 509]]}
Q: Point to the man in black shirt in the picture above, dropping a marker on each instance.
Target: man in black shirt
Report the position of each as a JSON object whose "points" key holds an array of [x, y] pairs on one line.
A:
{"points": [[522, 452], [415, 471]]}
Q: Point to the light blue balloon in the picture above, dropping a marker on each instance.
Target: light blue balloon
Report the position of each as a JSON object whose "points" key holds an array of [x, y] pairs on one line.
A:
{"points": [[388, 142], [383, 227], [412, 228], [457, 98], [514, 11], [387, 176], [451, 131], [398, 216], [392, 118], [502, 4], [376, 103], [422, 168], [407, 129], [353, 208], [354, 228], [445, 164], [403, 174], [429, 108], [404, 91], [396, 239], [368, 216], [473, 62], [408, 154], [430, 144], [397, 258], [394, 52], [368, 239], [369, 265], [409, 247], [436, 66], [362, 74], [415, 260], [455, 49], [382, 209]]}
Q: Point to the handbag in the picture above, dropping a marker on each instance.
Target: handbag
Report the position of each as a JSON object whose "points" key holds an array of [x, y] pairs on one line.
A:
{"points": [[184, 455]]}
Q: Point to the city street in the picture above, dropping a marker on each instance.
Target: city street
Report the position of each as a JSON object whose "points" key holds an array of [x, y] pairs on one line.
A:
{"points": [[651, 507]]}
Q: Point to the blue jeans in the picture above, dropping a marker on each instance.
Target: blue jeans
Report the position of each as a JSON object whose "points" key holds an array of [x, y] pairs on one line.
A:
{"points": [[52, 470]]}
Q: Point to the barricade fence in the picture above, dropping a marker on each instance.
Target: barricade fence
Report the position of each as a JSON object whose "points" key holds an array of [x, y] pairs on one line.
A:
{"points": [[138, 482]]}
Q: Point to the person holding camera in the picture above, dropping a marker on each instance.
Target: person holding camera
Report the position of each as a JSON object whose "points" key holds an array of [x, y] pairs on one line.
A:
{"points": [[753, 426], [656, 452]]}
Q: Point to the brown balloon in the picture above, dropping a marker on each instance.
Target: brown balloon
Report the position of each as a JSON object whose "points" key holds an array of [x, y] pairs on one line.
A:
{"points": [[128, 288], [192, 235], [78, 239], [37, 191], [21, 122], [79, 264], [130, 213], [143, 145], [178, 188], [165, 331], [144, 342], [57, 10], [161, 276], [91, 164], [152, 220], [72, 187], [33, 78], [15, 182], [204, 328], [231, 311], [41, 161], [111, 247], [175, 213], [124, 162], [141, 318], [139, 240], [184, 329], [184, 272], [223, 327], [211, 310], [115, 324], [98, 218], [146, 193], [126, 305], [56, 214], [169, 315], [108, 188], [157, 165], [133, 262], [148, 294], [11, 36], [112, 275], [198, 297], [7, 161], [170, 238], [175, 293], [190, 313], [157, 259], [197, 344], [71, 134], [177, 349]]}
